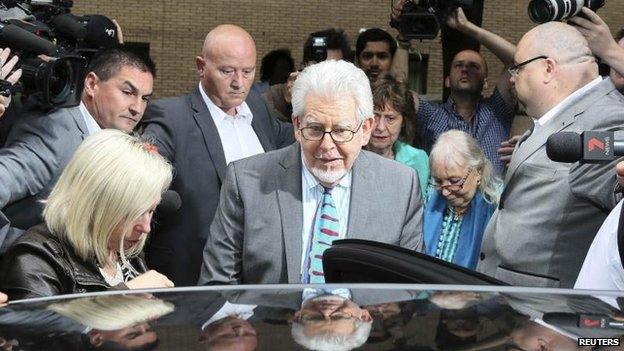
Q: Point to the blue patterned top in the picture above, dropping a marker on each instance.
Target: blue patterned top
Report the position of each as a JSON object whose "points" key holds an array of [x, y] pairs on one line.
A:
{"points": [[490, 126]]}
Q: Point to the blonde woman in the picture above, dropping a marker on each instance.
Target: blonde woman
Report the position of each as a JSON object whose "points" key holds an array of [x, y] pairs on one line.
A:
{"points": [[97, 219]]}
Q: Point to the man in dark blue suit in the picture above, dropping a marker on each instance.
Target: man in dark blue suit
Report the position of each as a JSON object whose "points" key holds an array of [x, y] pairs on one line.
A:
{"points": [[200, 133]]}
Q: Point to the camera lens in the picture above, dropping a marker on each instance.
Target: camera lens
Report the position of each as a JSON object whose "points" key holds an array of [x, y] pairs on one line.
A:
{"points": [[61, 81], [542, 11]]}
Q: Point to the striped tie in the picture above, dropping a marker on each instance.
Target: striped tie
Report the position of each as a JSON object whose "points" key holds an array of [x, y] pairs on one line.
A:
{"points": [[325, 232]]}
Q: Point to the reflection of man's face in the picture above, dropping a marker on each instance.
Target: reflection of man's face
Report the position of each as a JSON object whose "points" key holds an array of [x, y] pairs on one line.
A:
{"points": [[230, 333], [330, 314], [532, 336], [132, 337]]}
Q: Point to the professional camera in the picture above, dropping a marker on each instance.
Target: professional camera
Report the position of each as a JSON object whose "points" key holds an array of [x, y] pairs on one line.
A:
{"points": [[420, 19], [541, 11], [317, 50], [54, 47]]}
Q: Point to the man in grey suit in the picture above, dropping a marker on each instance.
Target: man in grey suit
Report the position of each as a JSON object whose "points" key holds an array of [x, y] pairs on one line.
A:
{"points": [[200, 133], [549, 212], [280, 210], [116, 90]]}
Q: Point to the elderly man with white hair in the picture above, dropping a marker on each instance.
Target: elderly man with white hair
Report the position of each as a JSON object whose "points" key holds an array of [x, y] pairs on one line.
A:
{"points": [[279, 211], [549, 212]]}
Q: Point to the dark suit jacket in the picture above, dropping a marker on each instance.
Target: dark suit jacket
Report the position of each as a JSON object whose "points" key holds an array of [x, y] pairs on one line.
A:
{"points": [[184, 132]]}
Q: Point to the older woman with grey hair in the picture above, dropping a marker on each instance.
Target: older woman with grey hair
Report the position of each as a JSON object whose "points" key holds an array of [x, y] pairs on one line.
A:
{"points": [[463, 195]]}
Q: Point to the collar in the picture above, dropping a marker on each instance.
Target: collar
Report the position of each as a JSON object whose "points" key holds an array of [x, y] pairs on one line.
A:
{"points": [[450, 106], [571, 99], [242, 112], [311, 182], [92, 125]]}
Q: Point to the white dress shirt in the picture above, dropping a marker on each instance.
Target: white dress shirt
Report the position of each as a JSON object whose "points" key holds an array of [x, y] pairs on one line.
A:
{"points": [[241, 311], [571, 99], [312, 193], [92, 126], [238, 138], [602, 268]]}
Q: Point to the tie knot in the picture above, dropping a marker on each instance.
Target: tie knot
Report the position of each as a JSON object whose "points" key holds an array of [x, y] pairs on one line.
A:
{"points": [[327, 191]]}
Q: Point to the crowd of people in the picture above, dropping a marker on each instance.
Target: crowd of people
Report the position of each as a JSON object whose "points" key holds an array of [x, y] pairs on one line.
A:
{"points": [[269, 177]]}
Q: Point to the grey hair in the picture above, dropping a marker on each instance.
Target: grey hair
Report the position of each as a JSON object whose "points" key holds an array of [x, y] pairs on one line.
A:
{"points": [[329, 341], [462, 149], [335, 80], [561, 41]]}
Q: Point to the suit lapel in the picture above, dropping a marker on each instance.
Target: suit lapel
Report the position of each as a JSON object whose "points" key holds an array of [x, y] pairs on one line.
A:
{"points": [[289, 198], [209, 131], [79, 119], [559, 122], [258, 110], [362, 198]]}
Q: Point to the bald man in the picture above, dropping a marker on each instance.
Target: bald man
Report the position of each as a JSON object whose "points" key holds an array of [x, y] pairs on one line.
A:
{"points": [[549, 212], [200, 133]]}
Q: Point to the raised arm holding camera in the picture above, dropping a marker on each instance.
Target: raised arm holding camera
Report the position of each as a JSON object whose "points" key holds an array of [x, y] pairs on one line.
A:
{"points": [[466, 109]]}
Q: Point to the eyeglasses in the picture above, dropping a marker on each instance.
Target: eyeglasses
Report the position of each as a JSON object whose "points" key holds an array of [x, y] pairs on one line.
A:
{"points": [[514, 70], [339, 136], [314, 317], [452, 186]]}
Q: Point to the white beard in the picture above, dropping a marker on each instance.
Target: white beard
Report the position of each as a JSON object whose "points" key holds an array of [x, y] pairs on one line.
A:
{"points": [[328, 176]]}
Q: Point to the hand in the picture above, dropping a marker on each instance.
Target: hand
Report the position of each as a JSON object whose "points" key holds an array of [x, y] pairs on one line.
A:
{"points": [[119, 33], [289, 84], [150, 279], [619, 171], [7, 345], [457, 19], [396, 9], [596, 31], [3, 299], [507, 148], [6, 69]]}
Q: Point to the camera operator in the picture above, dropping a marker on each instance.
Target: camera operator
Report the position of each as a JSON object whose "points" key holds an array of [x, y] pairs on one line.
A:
{"points": [[487, 119], [117, 87], [334, 45]]}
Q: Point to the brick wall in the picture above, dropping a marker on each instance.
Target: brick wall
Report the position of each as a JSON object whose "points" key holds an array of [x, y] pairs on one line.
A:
{"points": [[176, 29]]}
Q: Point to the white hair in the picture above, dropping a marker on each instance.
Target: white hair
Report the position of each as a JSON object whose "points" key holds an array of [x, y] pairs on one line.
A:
{"points": [[329, 341], [112, 312], [334, 80], [458, 147]]}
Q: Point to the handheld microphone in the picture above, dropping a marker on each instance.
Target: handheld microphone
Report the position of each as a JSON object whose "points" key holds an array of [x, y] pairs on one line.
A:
{"points": [[169, 202], [587, 147], [581, 320]]}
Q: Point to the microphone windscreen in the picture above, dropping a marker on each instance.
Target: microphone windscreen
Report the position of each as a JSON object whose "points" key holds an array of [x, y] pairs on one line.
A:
{"points": [[564, 147], [21, 39], [170, 202], [101, 32], [68, 25]]}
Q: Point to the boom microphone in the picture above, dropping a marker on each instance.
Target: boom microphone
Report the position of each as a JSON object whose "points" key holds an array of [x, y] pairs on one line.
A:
{"points": [[587, 147], [21, 39], [170, 202]]}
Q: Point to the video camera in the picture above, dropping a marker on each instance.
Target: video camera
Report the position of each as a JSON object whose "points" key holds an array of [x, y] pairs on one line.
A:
{"points": [[420, 19], [54, 47]]}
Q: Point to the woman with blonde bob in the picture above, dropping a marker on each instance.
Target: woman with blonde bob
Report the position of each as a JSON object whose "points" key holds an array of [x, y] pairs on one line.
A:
{"points": [[97, 219]]}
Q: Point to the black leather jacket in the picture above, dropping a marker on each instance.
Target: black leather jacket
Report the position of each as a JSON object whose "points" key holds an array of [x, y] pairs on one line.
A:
{"points": [[39, 264]]}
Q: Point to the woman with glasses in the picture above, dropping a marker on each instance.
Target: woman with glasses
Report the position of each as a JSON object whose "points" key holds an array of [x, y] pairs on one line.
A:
{"points": [[463, 195], [96, 221], [393, 131]]}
